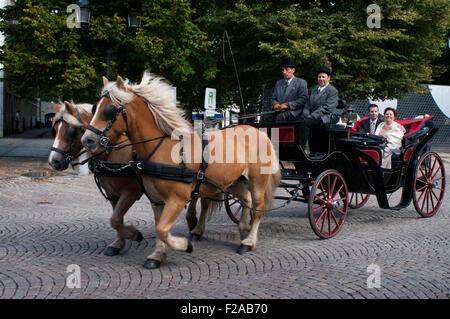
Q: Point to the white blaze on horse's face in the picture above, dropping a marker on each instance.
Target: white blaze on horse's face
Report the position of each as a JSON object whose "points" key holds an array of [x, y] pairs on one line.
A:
{"points": [[55, 158], [90, 140]]}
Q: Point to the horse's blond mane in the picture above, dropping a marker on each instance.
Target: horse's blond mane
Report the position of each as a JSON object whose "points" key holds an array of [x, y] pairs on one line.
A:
{"points": [[65, 115], [159, 98]]}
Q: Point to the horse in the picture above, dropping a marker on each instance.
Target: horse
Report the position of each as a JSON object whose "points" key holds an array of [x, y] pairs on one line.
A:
{"points": [[122, 192], [146, 112]]}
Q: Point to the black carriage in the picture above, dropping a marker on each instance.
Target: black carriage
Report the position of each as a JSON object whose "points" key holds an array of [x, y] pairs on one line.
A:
{"points": [[348, 170]]}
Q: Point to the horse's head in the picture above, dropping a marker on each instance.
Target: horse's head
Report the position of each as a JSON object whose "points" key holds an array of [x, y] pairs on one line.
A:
{"points": [[67, 131], [109, 121]]}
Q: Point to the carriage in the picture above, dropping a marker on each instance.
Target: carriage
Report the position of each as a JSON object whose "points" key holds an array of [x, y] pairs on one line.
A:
{"points": [[143, 116], [348, 171]]}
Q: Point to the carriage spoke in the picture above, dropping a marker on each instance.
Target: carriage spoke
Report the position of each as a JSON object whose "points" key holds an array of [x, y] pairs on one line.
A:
{"points": [[329, 190], [437, 171], [329, 222], [423, 202], [418, 200], [339, 190], [340, 211], [341, 199], [434, 164], [319, 207], [333, 186], [334, 218], [438, 179], [420, 189], [435, 196], [237, 211]]}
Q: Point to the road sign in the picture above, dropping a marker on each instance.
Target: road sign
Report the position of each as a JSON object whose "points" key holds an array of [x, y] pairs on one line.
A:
{"points": [[210, 99]]}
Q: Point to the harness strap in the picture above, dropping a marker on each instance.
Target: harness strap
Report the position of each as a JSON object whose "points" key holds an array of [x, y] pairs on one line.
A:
{"points": [[203, 165]]}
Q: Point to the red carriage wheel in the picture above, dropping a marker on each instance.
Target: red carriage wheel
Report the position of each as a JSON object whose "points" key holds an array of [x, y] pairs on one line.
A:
{"points": [[328, 204], [234, 209], [357, 200], [429, 184]]}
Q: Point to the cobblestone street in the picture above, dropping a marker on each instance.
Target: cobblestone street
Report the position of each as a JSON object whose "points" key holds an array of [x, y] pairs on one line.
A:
{"points": [[49, 223]]}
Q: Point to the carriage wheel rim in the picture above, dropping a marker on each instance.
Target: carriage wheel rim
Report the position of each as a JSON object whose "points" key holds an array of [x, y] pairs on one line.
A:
{"points": [[429, 185], [235, 213], [357, 200], [329, 204]]}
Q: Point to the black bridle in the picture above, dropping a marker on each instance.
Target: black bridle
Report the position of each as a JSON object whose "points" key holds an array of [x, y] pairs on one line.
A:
{"points": [[112, 113]]}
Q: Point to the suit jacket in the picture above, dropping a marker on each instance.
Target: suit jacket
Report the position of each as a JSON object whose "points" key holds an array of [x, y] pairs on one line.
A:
{"points": [[322, 105], [294, 94], [364, 126]]}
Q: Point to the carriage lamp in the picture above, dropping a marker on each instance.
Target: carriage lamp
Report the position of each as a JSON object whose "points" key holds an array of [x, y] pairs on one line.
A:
{"points": [[349, 117], [85, 11]]}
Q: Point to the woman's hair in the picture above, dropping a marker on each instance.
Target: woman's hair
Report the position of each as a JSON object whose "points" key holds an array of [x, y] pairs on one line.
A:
{"points": [[390, 109]]}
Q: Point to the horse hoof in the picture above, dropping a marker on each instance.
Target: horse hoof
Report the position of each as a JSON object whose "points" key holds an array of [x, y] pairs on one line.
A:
{"points": [[112, 251], [190, 248], [195, 237], [139, 237], [152, 264], [244, 249]]}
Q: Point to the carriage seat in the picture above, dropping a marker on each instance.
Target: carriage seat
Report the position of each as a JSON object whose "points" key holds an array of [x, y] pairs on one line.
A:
{"points": [[415, 129]]}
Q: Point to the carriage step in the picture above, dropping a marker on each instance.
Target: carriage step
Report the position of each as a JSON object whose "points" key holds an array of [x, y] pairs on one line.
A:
{"points": [[288, 172], [287, 185]]}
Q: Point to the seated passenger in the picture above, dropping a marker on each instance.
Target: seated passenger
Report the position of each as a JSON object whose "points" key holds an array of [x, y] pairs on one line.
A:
{"points": [[370, 124], [290, 94], [319, 110], [393, 132]]}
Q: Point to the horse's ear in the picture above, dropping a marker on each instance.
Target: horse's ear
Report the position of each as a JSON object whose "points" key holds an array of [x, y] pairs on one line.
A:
{"points": [[70, 108], [56, 106], [105, 81], [120, 83]]}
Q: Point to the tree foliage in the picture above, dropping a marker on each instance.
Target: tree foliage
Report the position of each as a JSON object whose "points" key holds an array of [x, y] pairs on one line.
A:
{"points": [[43, 57], [184, 42], [383, 62]]}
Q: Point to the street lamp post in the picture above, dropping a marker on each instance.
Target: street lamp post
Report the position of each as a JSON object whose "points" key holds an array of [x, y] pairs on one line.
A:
{"points": [[84, 19]]}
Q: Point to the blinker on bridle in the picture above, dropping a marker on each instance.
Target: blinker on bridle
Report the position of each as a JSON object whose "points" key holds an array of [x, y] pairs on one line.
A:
{"points": [[111, 113]]}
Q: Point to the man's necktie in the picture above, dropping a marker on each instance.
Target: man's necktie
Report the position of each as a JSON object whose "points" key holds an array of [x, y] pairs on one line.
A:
{"points": [[372, 127]]}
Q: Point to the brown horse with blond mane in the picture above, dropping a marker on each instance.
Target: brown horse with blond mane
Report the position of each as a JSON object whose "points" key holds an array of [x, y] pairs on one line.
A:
{"points": [[146, 112], [69, 122]]}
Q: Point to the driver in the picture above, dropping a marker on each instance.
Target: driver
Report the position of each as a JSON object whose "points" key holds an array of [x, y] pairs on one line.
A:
{"points": [[319, 110], [290, 94]]}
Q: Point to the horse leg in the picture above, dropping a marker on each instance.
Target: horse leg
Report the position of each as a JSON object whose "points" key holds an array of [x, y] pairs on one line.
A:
{"points": [[121, 207], [240, 190], [159, 255], [191, 213], [172, 210], [249, 242], [199, 229]]}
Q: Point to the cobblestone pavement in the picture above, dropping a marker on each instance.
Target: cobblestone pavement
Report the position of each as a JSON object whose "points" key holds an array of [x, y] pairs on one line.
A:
{"points": [[46, 224]]}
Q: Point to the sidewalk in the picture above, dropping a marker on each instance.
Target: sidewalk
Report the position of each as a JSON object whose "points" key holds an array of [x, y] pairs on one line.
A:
{"points": [[34, 143], [34, 133]]}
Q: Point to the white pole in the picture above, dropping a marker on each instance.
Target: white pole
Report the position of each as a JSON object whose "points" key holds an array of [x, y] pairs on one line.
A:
{"points": [[3, 3], [83, 170]]}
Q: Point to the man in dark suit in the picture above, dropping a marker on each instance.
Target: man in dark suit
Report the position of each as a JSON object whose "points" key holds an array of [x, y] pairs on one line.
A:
{"points": [[370, 124], [290, 94], [320, 110]]}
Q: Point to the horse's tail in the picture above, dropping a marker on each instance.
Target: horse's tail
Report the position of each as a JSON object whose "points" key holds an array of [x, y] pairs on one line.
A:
{"points": [[214, 204], [274, 180]]}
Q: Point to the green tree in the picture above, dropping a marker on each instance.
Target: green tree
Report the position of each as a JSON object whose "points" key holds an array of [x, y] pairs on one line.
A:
{"points": [[381, 62], [43, 57]]}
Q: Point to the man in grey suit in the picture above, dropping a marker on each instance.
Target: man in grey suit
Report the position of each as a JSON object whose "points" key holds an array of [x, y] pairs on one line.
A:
{"points": [[290, 94], [320, 110]]}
